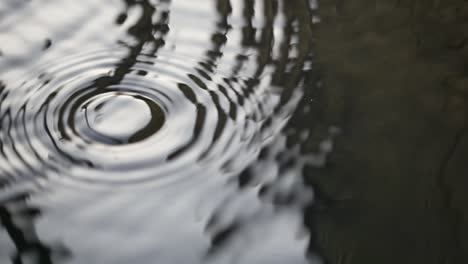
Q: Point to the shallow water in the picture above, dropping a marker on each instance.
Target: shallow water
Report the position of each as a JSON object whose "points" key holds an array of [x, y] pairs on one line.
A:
{"points": [[155, 131], [233, 131]]}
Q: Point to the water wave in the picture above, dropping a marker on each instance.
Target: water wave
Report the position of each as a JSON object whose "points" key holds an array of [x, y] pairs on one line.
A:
{"points": [[79, 118]]}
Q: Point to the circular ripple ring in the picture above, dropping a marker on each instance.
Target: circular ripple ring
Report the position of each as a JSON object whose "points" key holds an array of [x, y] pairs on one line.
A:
{"points": [[93, 118]]}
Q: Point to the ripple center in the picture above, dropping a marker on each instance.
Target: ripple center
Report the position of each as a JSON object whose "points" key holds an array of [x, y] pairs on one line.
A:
{"points": [[118, 118]]}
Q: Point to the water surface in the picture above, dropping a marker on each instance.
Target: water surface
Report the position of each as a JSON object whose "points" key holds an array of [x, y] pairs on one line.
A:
{"points": [[156, 131], [233, 131]]}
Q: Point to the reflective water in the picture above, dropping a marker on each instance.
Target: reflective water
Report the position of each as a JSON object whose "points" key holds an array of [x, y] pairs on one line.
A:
{"points": [[233, 131], [156, 131]]}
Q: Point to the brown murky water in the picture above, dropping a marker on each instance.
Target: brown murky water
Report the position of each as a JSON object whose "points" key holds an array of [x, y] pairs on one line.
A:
{"points": [[395, 81], [218, 131]]}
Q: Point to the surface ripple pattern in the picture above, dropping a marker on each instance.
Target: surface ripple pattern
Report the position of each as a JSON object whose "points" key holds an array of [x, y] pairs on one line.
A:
{"points": [[82, 119]]}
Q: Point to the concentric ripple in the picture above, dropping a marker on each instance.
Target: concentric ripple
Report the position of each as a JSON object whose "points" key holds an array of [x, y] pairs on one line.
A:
{"points": [[119, 117], [86, 118]]}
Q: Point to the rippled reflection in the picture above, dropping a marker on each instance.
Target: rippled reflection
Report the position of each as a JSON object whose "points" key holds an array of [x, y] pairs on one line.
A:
{"points": [[18, 220], [168, 137]]}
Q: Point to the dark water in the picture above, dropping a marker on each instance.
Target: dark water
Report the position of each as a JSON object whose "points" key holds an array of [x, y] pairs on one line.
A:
{"points": [[233, 131]]}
